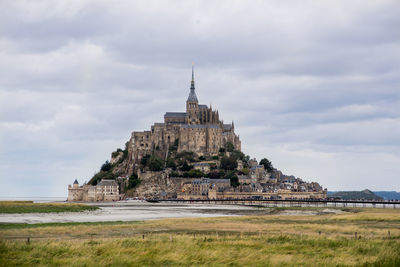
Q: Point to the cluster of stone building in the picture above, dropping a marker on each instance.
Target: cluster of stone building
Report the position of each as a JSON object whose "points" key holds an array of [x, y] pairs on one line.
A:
{"points": [[257, 184], [105, 190]]}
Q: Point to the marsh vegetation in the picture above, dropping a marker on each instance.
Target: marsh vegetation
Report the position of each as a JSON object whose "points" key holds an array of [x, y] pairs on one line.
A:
{"points": [[367, 237], [31, 207]]}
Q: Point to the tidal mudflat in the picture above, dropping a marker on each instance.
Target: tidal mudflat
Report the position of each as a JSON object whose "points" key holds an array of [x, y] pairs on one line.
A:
{"points": [[129, 211], [137, 211]]}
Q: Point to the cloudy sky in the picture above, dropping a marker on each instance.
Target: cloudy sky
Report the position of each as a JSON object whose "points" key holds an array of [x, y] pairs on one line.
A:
{"points": [[312, 85]]}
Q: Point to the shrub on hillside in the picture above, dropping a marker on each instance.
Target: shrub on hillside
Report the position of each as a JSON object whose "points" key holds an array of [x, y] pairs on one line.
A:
{"points": [[106, 166], [155, 163], [186, 167], [171, 164], [195, 173], [174, 174], [101, 175], [228, 163], [133, 181], [229, 147], [267, 164]]}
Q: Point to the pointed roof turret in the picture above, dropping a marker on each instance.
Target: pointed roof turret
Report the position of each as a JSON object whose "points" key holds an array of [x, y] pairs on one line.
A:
{"points": [[192, 95]]}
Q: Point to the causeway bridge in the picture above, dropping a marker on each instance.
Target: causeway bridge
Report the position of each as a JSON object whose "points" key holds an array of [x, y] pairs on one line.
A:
{"points": [[289, 202]]}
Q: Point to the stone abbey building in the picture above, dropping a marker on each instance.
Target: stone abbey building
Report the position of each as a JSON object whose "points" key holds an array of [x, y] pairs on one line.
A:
{"points": [[198, 130]]}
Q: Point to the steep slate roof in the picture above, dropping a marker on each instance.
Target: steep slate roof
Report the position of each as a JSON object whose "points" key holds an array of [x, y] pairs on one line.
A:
{"points": [[192, 96], [76, 181], [203, 106], [227, 127], [175, 114]]}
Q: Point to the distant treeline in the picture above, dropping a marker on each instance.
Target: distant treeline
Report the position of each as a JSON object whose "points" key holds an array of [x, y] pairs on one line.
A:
{"points": [[365, 194], [388, 195]]}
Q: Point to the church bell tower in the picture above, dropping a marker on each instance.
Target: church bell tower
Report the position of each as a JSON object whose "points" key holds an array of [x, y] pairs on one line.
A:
{"points": [[192, 104]]}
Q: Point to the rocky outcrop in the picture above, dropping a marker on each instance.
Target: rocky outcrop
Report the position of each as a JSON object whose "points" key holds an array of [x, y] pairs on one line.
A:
{"points": [[156, 185]]}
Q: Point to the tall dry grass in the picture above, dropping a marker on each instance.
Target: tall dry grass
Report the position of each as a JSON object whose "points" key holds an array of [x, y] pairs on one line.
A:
{"points": [[327, 240]]}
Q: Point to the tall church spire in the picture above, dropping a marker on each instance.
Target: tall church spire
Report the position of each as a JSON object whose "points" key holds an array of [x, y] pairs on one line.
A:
{"points": [[192, 83], [192, 95]]}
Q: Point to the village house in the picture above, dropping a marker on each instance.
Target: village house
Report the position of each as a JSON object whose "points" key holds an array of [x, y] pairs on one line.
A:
{"points": [[105, 190], [201, 188]]}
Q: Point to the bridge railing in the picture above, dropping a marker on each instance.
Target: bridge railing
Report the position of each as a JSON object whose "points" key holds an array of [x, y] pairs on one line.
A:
{"points": [[291, 202]]}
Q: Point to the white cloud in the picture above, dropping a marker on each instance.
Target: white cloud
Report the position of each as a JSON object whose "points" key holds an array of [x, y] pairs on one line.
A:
{"points": [[313, 85]]}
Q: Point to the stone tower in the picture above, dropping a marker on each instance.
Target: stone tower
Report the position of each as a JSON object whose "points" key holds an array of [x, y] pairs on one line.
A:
{"points": [[192, 104]]}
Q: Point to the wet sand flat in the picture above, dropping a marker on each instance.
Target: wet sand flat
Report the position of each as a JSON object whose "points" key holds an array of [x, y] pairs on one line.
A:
{"points": [[139, 211], [130, 211]]}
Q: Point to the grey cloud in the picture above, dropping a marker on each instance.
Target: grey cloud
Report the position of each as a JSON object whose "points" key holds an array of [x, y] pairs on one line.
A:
{"points": [[306, 82]]}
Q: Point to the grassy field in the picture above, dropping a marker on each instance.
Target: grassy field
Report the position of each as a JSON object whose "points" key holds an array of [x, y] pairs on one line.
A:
{"points": [[365, 237], [29, 207]]}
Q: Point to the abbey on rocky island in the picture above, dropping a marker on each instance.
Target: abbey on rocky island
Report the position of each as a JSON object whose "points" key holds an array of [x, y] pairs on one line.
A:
{"points": [[198, 130], [191, 155]]}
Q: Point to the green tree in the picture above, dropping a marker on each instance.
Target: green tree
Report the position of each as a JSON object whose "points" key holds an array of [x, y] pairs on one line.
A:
{"points": [[228, 163], [133, 181], [171, 164], [195, 173], [238, 154], [229, 147], [174, 174], [101, 175], [106, 166], [155, 163], [233, 177], [115, 154], [186, 167], [267, 164]]}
